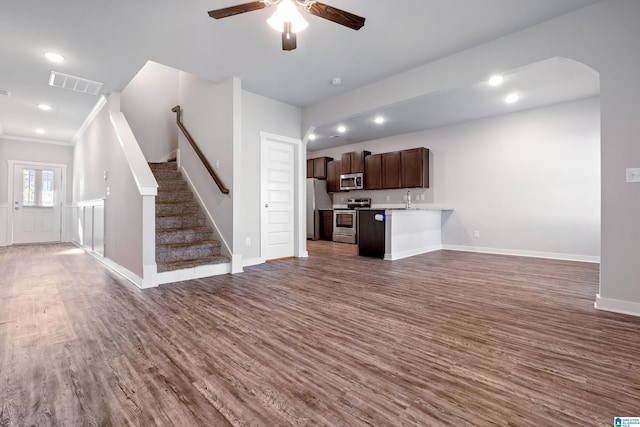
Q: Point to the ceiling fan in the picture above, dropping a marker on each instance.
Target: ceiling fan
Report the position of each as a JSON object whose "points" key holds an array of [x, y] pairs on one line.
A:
{"points": [[289, 20]]}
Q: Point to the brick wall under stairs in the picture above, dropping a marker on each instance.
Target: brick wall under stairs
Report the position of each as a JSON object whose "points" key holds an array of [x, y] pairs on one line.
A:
{"points": [[184, 238]]}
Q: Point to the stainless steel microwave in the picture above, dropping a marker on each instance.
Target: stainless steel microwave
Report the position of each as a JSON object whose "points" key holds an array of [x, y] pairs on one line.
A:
{"points": [[352, 181]]}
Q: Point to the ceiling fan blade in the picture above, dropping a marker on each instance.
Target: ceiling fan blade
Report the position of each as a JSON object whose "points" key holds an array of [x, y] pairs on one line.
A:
{"points": [[336, 15], [236, 10], [288, 37]]}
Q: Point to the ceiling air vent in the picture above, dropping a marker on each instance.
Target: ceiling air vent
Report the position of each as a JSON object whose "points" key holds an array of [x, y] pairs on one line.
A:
{"points": [[74, 83], [4, 92]]}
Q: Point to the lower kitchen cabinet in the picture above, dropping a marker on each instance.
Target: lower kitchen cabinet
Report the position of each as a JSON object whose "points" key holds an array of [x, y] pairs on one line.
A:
{"points": [[326, 225], [371, 233]]}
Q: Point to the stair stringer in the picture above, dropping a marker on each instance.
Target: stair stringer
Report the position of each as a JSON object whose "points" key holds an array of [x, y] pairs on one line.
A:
{"points": [[224, 249]]}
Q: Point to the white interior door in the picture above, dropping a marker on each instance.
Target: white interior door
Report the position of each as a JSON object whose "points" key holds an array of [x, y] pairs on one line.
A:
{"points": [[37, 197], [278, 199]]}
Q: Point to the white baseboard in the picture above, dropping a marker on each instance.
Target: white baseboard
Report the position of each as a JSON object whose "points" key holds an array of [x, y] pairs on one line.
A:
{"points": [[252, 261], [413, 252], [193, 273], [532, 254], [166, 158], [4, 224], [617, 306], [129, 275]]}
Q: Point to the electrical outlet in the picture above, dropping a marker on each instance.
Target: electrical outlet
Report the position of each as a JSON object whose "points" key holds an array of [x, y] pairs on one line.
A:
{"points": [[633, 174], [422, 197], [248, 241], [388, 198], [476, 234], [217, 164]]}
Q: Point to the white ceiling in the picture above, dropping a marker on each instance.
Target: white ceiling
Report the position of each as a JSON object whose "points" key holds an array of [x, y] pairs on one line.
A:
{"points": [[110, 41], [543, 83]]}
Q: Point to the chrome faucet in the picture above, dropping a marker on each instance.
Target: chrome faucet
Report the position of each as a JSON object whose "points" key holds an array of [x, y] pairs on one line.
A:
{"points": [[408, 199]]}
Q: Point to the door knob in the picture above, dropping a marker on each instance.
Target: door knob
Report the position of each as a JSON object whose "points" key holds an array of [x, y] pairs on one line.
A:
{"points": [[17, 208], [266, 205]]}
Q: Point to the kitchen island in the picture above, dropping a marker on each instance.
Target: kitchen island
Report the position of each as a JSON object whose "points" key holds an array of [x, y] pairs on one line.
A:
{"points": [[407, 231]]}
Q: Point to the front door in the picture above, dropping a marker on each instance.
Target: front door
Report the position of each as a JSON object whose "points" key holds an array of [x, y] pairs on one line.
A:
{"points": [[37, 196], [278, 197]]}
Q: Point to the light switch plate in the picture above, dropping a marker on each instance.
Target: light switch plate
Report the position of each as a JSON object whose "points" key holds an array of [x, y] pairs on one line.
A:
{"points": [[633, 174]]}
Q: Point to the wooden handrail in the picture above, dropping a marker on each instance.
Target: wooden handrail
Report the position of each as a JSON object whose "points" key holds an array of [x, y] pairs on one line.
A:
{"points": [[203, 159]]}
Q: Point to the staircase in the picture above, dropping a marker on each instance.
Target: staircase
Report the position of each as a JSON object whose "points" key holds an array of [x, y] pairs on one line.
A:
{"points": [[184, 238]]}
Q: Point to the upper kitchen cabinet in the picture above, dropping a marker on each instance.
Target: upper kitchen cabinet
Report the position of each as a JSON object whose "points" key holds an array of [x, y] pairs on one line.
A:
{"points": [[415, 168], [333, 175], [373, 172], [391, 170], [317, 168], [353, 162], [309, 168]]}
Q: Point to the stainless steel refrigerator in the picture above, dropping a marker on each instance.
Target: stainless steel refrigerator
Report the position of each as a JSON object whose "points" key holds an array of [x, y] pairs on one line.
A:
{"points": [[317, 199]]}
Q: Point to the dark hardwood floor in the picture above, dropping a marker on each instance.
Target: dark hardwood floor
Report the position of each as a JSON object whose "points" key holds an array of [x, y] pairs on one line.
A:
{"points": [[446, 338]]}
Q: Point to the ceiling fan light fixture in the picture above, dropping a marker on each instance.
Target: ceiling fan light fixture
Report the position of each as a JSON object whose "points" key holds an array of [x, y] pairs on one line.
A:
{"points": [[287, 12]]}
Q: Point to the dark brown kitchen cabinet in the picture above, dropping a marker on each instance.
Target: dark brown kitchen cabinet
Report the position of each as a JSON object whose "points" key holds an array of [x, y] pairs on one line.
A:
{"points": [[309, 168], [320, 167], [317, 168], [326, 225], [353, 162], [371, 233], [373, 172], [415, 168], [391, 170], [333, 175]]}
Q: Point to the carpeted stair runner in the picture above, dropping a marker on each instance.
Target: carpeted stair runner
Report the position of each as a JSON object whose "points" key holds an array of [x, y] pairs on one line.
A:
{"points": [[184, 238]]}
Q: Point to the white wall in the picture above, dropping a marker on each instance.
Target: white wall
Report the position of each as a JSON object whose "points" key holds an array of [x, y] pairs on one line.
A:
{"points": [[529, 182], [603, 36], [97, 151], [259, 114], [208, 115], [146, 103]]}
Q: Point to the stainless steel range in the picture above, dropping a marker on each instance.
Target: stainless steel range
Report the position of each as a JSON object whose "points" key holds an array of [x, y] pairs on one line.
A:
{"points": [[345, 221]]}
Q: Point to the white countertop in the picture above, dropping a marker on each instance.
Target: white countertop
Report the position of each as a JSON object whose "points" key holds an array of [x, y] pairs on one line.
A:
{"points": [[398, 207]]}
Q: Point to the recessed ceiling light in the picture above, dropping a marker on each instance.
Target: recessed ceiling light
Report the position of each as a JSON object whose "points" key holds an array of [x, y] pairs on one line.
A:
{"points": [[511, 98], [312, 137], [44, 107], [39, 131], [342, 129], [496, 80], [336, 81], [379, 120], [55, 57]]}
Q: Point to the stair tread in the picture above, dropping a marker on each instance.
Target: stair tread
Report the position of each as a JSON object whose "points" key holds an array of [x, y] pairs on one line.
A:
{"points": [[198, 229], [178, 202], [189, 245], [181, 215]]}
